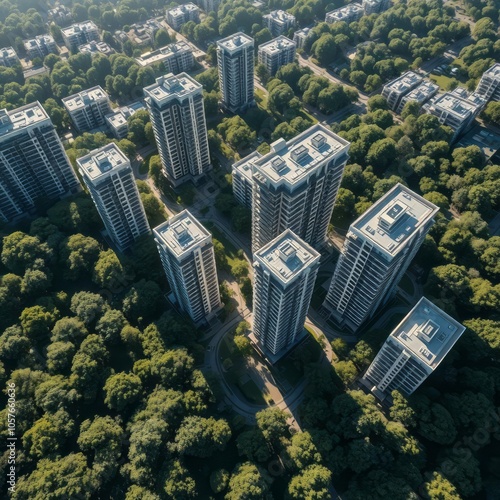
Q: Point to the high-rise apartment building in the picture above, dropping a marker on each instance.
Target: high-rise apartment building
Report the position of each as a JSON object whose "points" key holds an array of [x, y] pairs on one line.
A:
{"points": [[276, 53], [377, 251], [284, 274], [188, 258], [88, 108], [40, 46], [108, 175], [235, 61], [295, 186], [413, 350], [279, 22], [33, 163], [79, 34], [242, 179], [175, 105], [489, 85], [394, 90]]}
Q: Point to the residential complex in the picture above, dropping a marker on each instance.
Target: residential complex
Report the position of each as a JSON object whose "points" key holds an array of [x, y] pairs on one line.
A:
{"points": [[8, 57], [413, 350], [279, 22], [61, 15], [79, 34], [40, 46], [300, 36], [489, 85], [182, 14], [88, 108], [276, 53], [456, 109], [284, 274], [144, 33], [421, 94], [235, 61], [176, 57], [348, 14], [375, 6], [108, 175], [94, 48], [242, 179], [295, 186], [33, 163], [394, 90], [377, 252], [175, 105], [117, 121], [188, 258]]}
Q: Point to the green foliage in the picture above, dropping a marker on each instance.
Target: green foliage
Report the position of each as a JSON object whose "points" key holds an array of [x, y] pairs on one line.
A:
{"points": [[312, 482], [202, 437], [248, 481], [122, 390]]}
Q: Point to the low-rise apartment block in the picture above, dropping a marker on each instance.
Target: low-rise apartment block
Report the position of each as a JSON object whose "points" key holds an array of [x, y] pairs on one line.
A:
{"points": [[279, 22], [8, 57], [276, 53], [176, 57], [79, 34], [348, 14], [182, 14], [421, 94], [396, 89], [40, 46], [489, 85], [88, 108]]}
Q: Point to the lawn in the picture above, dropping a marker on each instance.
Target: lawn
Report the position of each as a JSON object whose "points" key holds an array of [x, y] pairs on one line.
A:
{"points": [[252, 392]]}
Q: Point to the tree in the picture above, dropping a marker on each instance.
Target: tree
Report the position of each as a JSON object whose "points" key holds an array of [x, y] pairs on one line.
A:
{"points": [[20, 251], [302, 451], [108, 271], [312, 482], [174, 367], [347, 371], [377, 102], [280, 98], [59, 356], [68, 330], [381, 154], [110, 325], [13, 343], [37, 321], [491, 112], [262, 73], [69, 476], [178, 482], [401, 411], [78, 254], [89, 307], [252, 444], [249, 482], [202, 437], [122, 389], [325, 49], [219, 480], [162, 38], [438, 487], [143, 300], [467, 158], [272, 423], [211, 102]]}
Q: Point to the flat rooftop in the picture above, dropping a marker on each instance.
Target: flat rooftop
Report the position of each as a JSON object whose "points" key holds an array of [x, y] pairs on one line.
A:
{"points": [[390, 221], [8, 52], [484, 138], [277, 44], [163, 53], [235, 42], [346, 11], [171, 86], [120, 116], [244, 166], [280, 15], [286, 256], [100, 162], [494, 71], [303, 32], [79, 101], [94, 47], [404, 83], [181, 233], [458, 106], [182, 9], [428, 332], [78, 27], [17, 119], [291, 162], [425, 90]]}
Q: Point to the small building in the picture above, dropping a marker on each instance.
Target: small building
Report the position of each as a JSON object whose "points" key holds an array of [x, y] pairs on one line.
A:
{"points": [[421, 94], [40, 46], [176, 57], [276, 53], [94, 48], [118, 120], [61, 15], [413, 350], [79, 34], [88, 108], [300, 36], [182, 14], [348, 14], [279, 22], [144, 33], [8, 57], [375, 6], [394, 90], [489, 85], [457, 109], [485, 139]]}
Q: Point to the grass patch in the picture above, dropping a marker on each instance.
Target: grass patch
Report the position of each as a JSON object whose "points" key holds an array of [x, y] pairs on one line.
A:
{"points": [[261, 98], [231, 250], [252, 392]]}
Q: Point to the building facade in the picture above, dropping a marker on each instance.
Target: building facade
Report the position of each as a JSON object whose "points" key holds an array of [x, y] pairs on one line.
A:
{"points": [[300, 36], [242, 179], [279, 22], [79, 34], [182, 14], [209, 5], [295, 186], [377, 251], [489, 85], [394, 90], [175, 105], [235, 61], [176, 57], [413, 350], [88, 108], [33, 163], [421, 94], [375, 6], [276, 53], [457, 109], [8, 57], [284, 274], [348, 14], [188, 258], [40, 46], [108, 175], [117, 121]]}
